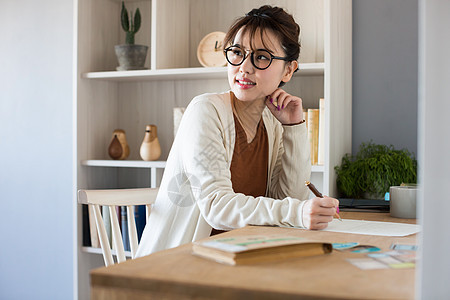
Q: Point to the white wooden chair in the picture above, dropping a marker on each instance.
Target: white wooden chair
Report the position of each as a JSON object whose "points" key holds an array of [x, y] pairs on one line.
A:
{"points": [[113, 198]]}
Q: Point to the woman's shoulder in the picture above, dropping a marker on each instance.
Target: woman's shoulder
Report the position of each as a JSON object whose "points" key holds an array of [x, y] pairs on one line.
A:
{"points": [[207, 113], [216, 99], [208, 103]]}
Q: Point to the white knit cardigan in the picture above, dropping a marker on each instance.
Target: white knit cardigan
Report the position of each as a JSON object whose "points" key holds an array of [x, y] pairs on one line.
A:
{"points": [[196, 193]]}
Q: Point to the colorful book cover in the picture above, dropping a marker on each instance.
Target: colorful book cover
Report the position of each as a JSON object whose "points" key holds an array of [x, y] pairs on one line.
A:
{"points": [[258, 248], [124, 225], [313, 133], [140, 218], [321, 146]]}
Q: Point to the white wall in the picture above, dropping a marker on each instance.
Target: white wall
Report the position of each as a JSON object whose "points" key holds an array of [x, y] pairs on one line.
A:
{"points": [[433, 281], [36, 239], [385, 38]]}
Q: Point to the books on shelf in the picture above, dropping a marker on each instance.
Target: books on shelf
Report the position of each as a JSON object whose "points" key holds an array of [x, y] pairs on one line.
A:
{"points": [[140, 216], [313, 133], [315, 122], [124, 228], [321, 140], [305, 116], [107, 221], [86, 227], [258, 248], [90, 235]]}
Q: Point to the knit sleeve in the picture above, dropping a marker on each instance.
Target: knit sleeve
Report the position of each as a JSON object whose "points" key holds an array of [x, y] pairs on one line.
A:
{"points": [[293, 164]]}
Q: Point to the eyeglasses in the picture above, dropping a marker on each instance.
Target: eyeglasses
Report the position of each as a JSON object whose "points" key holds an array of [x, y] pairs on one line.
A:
{"points": [[260, 58]]}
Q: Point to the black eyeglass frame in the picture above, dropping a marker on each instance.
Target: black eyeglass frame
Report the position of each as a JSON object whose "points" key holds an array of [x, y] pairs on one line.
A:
{"points": [[272, 57]]}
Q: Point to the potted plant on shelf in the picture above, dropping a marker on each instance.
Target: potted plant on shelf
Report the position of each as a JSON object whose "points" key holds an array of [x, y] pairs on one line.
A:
{"points": [[129, 55], [375, 168]]}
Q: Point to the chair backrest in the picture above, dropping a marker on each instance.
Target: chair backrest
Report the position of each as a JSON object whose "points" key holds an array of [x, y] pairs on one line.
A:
{"points": [[113, 198]]}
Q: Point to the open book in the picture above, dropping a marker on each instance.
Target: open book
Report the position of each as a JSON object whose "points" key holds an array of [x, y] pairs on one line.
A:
{"points": [[258, 248]]}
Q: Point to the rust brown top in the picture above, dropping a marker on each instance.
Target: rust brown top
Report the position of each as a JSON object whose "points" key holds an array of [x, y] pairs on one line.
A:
{"points": [[250, 163]]}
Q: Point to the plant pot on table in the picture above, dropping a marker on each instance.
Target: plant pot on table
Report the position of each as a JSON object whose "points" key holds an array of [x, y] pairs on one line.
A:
{"points": [[131, 56]]}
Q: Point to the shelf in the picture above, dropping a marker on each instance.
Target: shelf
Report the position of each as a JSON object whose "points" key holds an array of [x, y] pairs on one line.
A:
{"points": [[186, 73], [124, 163], [126, 1], [99, 251], [149, 164]]}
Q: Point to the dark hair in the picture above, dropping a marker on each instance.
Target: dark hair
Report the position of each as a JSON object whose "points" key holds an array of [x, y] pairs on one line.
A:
{"points": [[273, 18]]}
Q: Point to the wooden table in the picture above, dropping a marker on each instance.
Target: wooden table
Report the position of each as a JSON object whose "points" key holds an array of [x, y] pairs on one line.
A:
{"points": [[177, 274]]}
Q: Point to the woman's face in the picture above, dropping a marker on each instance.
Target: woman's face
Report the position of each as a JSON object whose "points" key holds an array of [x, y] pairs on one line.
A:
{"points": [[249, 83]]}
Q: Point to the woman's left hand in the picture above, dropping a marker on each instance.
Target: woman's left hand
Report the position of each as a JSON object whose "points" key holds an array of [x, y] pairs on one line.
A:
{"points": [[286, 108]]}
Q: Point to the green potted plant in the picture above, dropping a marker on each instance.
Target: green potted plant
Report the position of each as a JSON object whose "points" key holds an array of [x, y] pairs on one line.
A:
{"points": [[375, 168], [130, 55]]}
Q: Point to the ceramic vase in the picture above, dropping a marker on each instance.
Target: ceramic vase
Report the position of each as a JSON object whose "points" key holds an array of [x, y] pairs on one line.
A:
{"points": [[118, 148], [150, 148]]}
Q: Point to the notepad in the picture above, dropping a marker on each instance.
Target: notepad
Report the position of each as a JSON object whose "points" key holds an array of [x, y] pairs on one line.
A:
{"points": [[372, 227]]}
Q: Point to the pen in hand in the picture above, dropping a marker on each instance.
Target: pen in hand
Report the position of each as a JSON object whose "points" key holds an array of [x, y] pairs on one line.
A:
{"points": [[318, 194]]}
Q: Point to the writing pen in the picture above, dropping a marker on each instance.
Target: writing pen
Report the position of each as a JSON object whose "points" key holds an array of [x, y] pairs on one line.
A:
{"points": [[318, 194]]}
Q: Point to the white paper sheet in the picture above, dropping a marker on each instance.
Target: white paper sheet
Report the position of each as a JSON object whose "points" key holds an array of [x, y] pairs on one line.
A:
{"points": [[372, 227]]}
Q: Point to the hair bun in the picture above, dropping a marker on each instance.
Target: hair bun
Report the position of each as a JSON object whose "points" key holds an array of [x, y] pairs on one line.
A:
{"points": [[257, 14]]}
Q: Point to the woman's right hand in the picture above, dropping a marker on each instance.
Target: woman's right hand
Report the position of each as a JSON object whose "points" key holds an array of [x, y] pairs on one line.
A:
{"points": [[289, 108], [318, 212]]}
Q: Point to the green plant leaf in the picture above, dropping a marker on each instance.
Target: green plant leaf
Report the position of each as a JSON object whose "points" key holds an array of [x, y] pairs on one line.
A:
{"points": [[129, 38], [124, 18], [137, 20], [374, 169]]}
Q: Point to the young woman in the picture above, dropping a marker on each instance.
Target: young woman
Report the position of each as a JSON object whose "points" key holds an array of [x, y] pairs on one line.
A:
{"points": [[241, 157]]}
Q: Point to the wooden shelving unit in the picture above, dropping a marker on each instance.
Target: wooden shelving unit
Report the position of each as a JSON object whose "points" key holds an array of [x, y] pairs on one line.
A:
{"points": [[106, 99], [124, 163], [186, 73], [145, 164], [93, 250]]}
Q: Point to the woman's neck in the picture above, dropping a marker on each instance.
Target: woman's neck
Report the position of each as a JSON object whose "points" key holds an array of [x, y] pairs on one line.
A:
{"points": [[249, 114]]}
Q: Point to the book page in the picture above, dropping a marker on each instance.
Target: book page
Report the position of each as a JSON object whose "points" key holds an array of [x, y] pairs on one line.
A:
{"points": [[372, 227], [250, 242]]}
